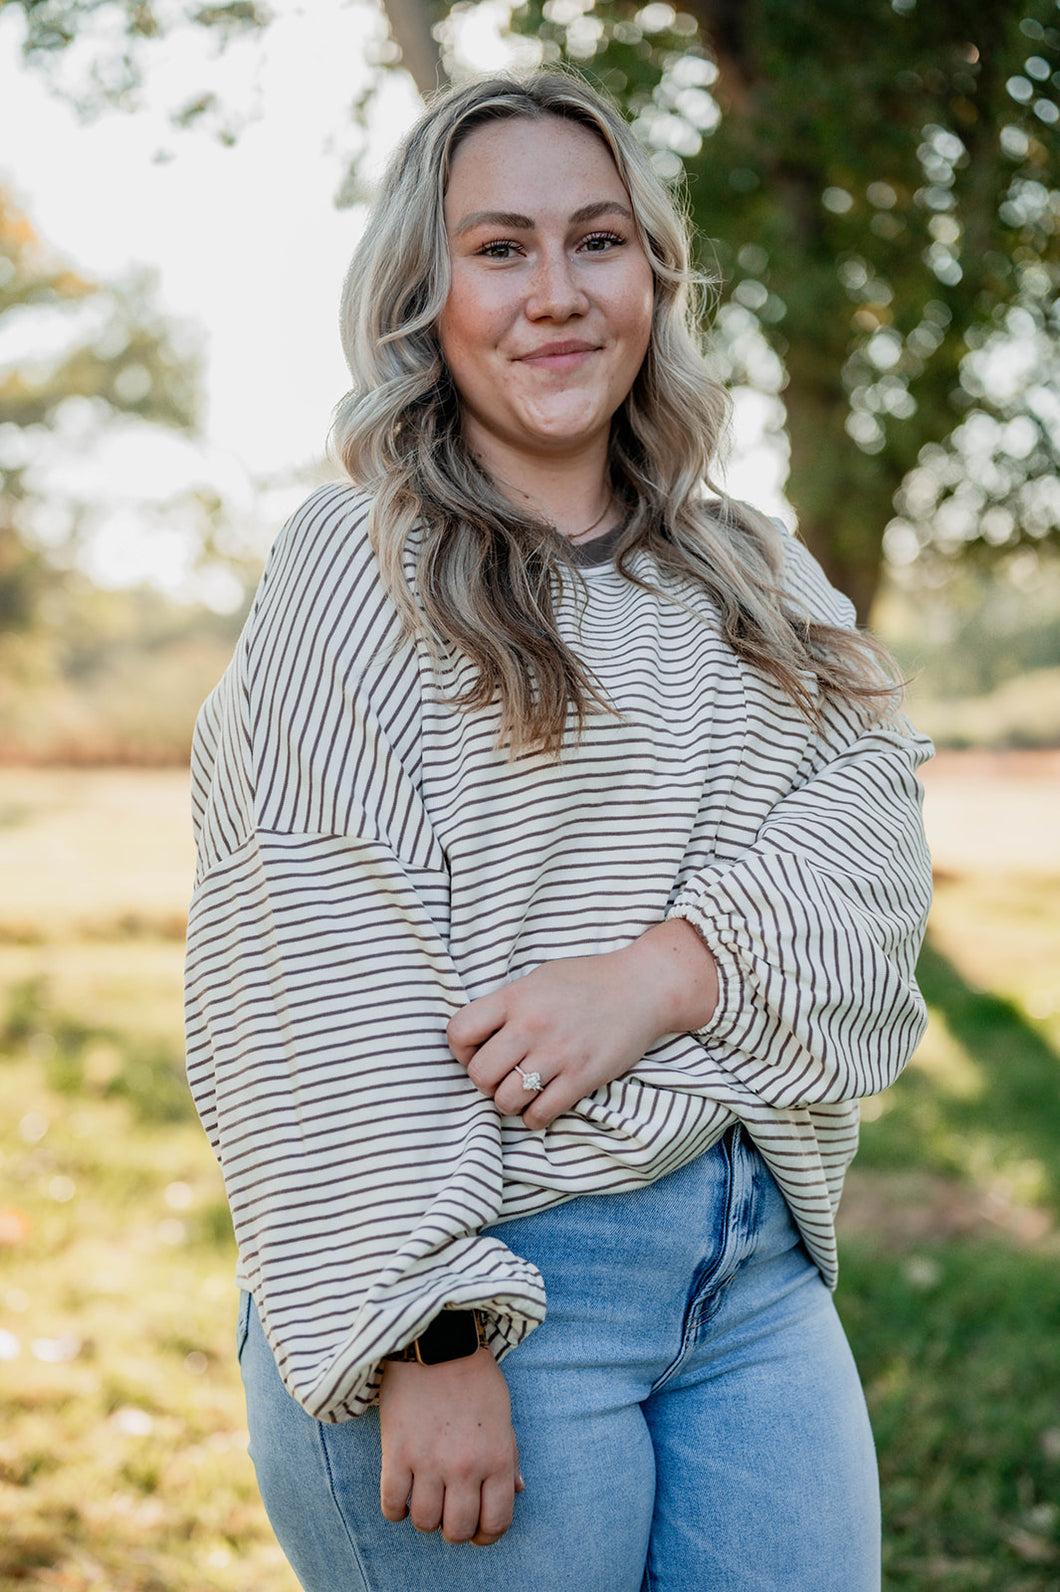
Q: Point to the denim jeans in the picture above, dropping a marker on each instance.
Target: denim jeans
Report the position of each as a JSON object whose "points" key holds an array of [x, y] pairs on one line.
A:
{"points": [[689, 1416]]}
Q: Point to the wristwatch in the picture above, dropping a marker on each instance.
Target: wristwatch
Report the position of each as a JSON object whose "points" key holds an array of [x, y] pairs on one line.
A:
{"points": [[452, 1335]]}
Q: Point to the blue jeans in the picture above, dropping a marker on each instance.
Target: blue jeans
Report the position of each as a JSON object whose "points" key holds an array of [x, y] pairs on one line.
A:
{"points": [[689, 1416]]}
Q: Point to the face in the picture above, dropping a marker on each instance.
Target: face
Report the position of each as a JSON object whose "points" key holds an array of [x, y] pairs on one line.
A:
{"points": [[549, 313]]}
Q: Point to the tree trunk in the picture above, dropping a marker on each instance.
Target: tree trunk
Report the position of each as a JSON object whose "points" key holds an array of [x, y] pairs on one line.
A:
{"points": [[410, 28], [842, 498]]}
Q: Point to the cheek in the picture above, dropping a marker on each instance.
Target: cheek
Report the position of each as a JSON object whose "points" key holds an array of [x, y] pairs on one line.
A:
{"points": [[467, 329], [450, 338], [640, 308], [637, 302], [457, 317]]}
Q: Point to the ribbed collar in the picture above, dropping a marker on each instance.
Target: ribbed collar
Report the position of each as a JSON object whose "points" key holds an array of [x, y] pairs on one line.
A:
{"points": [[598, 550]]}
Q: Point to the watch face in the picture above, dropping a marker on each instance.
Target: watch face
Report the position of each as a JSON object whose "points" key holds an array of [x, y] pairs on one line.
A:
{"points": [[452, 1335]]}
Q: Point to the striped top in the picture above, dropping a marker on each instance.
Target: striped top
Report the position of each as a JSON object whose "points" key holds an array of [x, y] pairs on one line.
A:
{"points": [[368, 862]]}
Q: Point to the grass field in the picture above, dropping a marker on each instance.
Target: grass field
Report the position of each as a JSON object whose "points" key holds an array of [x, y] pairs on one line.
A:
{"points": [[122, 1445]]}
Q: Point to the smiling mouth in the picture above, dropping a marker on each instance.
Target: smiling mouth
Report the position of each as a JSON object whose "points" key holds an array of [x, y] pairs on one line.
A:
{"points": [[557, 352]]}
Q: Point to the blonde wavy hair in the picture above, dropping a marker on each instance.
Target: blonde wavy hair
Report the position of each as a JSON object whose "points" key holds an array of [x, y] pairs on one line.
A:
{"points": [[485, 576]]}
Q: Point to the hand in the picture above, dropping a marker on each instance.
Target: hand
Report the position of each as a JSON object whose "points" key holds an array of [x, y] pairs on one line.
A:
{"points": [[448, 1442], [581, 1021]]}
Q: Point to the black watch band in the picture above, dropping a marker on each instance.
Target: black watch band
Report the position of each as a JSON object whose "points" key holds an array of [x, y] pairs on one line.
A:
{"points": [[452, 1335]]}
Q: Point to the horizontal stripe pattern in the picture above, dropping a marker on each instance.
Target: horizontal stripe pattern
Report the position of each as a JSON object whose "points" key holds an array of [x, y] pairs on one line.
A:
{"points": [[368, 862]]}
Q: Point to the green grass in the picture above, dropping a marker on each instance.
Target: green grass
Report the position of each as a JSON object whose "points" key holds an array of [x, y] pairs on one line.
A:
{"points": [[959, 1349], [122, 1455], [982, 1100], [123, 1465], [79, 1058]]}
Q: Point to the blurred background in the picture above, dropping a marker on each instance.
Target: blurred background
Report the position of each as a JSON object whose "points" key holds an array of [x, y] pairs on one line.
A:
{"points": [[181, 185]]}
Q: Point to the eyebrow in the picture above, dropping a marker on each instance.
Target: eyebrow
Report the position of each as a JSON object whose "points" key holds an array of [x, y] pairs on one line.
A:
{"points": [[521, 223]]}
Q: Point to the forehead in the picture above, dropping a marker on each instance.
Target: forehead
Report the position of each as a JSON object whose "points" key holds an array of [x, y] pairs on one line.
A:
{"points": [[547, 158]]}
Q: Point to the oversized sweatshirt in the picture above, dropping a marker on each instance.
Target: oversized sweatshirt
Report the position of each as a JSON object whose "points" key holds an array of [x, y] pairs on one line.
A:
{"points": [[369, 861]]}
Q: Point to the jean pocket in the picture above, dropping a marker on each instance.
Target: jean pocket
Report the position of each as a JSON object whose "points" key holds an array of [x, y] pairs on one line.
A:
{"points": [[243, 1322]]}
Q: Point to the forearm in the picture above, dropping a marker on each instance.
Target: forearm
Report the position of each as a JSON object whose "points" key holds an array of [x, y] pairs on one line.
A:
{"points": [[671, 961], [547, 1040]]}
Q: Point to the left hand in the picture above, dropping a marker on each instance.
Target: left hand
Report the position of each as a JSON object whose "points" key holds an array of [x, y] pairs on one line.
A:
{"points": [[582, 1020], [450, 1457]]}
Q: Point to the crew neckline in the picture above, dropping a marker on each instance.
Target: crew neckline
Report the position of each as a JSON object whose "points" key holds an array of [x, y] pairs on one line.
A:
{"points": [[597, 550]]}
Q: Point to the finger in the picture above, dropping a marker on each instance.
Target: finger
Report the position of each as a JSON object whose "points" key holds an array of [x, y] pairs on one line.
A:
{"points": [[426, 1503], [495, 1510], [555, 1098], [460, 1522], [511, 1097], [473, 1024], [496, 1061], [395, 1484]]}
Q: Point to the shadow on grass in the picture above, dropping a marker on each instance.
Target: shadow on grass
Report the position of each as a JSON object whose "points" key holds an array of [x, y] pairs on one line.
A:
{"points": [[958, 1340], [1011, 1117], [959, 1351]]}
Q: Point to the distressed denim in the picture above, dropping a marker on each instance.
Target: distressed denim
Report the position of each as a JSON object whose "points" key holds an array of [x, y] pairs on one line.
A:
{"points": [[689, 1416]]}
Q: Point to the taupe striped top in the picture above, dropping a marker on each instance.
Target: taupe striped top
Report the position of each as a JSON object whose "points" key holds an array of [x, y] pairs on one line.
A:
{"points": [[368, 862]]}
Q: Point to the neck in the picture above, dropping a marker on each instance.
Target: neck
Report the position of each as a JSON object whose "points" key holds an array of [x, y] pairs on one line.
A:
{"points": [[573, 494]]}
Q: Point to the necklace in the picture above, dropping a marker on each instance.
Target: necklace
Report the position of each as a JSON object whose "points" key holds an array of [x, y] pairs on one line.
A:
{"points": [[580, 536]]}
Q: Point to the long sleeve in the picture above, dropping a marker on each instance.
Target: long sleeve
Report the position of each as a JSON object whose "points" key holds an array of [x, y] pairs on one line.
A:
{"points": [[359, 1160], [817, 922], [368, 861]]}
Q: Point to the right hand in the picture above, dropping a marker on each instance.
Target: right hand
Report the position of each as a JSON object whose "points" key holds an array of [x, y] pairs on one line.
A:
{"points": [[580, 1021], [449, 1452]]}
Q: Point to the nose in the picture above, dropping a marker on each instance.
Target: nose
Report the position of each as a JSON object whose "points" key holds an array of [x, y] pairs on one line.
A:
{"points": [[555, 291]]}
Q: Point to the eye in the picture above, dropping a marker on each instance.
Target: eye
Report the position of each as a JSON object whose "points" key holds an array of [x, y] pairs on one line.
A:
{"points": [[498, 249], [601, 242]]}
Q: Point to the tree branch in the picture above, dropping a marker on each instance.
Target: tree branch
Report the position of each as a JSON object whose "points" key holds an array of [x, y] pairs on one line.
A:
{"points": [[410, 28]]}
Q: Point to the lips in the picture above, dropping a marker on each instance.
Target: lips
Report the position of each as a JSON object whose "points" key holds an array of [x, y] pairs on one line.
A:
{"points": [[558, 351]]}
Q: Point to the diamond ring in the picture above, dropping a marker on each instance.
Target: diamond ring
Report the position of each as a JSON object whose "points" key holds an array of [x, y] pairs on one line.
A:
{"points": [[531, 1080]]}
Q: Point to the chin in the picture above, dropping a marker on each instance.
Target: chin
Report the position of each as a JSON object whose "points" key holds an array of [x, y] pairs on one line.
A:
{"points": [[568, 430], [560, 441]]}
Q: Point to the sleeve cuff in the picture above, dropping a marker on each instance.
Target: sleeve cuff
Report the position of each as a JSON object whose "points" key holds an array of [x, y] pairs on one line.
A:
{"points": [[730, 980]]}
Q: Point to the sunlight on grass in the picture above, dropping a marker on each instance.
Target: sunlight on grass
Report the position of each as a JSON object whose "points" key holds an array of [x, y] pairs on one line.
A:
{"points": [[946, 1062], [124, 1451], [1004, 933], [980, 1101], [134, 983], [123, 1459], [83, 848]]}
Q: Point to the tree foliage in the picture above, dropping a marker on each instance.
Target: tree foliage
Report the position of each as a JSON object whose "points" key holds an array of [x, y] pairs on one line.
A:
{"points": [[105, 39], [75, 345], [876, 181]]}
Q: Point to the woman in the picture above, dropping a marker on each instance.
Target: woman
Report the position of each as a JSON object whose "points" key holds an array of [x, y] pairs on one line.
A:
{"points": [[560, 885]]}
